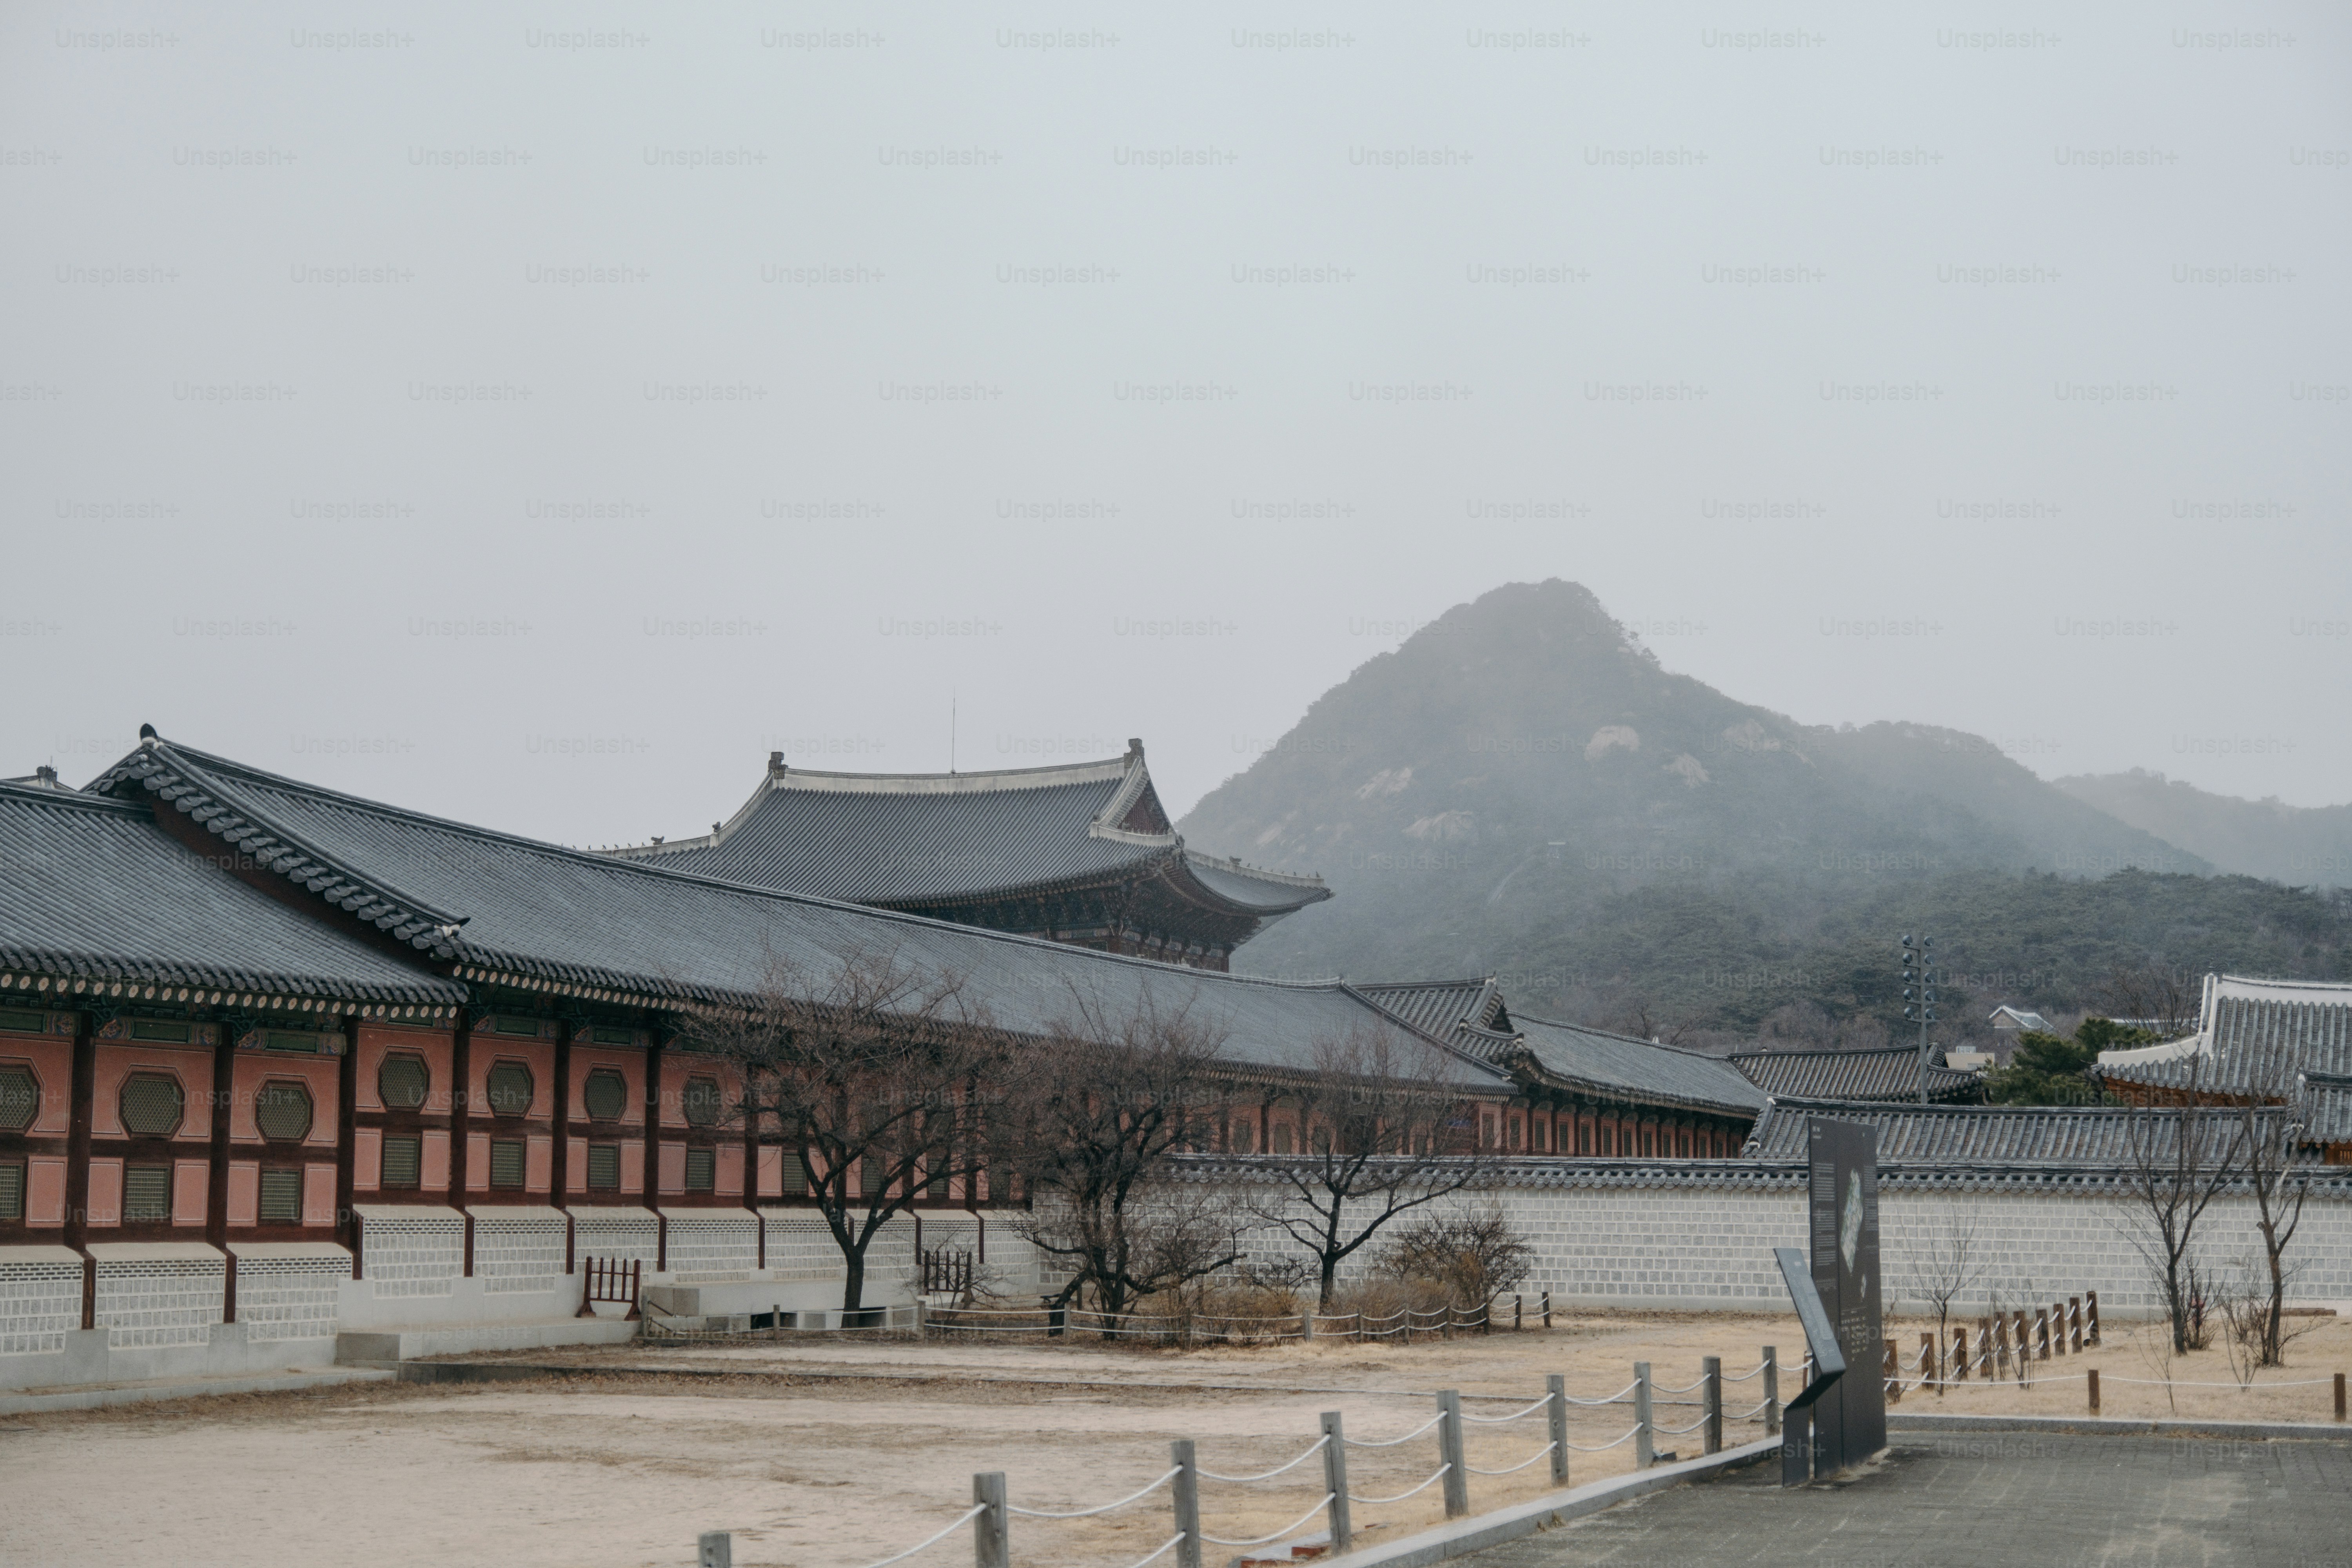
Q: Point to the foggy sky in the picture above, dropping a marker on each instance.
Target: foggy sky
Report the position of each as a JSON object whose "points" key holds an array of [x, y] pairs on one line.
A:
{"points": [[537, 415]]}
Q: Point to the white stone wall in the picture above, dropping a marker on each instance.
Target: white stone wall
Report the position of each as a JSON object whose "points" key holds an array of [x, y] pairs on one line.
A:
{"points": [[801, 1249], [709, 1248], [40, 1303], [412, 1255], [1646, 1244], [518, 1253], [631, 1236], [151, 1304], [284, 1299]]}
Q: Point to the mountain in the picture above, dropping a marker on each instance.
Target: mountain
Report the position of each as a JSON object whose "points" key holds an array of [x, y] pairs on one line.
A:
{"points": [[1521, 788], [2297, 845]]}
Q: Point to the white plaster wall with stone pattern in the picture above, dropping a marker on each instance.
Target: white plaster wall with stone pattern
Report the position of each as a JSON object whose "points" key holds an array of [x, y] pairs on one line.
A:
{"points": [[1688, 1247]]}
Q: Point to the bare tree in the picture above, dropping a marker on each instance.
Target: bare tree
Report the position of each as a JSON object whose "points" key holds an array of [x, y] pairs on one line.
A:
{"points": [[2278, 1172], [1946, 1267], [869, 1071], [1100, 1106], [1385, 1128], [2156, 996], [2176, 1160]]}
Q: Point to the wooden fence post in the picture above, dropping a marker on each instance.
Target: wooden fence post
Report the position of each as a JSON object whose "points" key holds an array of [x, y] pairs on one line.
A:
{"points": [[1711, 1375], [1771, 1391], [2091, 1309], [1307, 1324], [1643, 1447], [2075, 1322], [2040, 1334], [1335, 1481], [992, 1545], [1930, 1362], [714, 1549], [1557, 1419], [1890, 1372], [1186, 1495], [2024, 1354], [2093, 1379], [1546, 1308], [1516, 1303], [2339, 1396], [1449, 1451]]}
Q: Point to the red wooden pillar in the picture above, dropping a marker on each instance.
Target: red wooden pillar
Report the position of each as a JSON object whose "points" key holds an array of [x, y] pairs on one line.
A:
{"points": [[347, 1097], [652, 1151], [78, 1135], [461, 1100]]}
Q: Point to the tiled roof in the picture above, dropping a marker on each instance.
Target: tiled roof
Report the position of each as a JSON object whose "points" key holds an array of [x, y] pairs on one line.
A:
{"points": [[2090, 1138], [470, 897], [1445, 1007], [2258, 1035], [1889, 1073], [93, 888], [911, 839], [1619, 1066], [2327, 1107]]}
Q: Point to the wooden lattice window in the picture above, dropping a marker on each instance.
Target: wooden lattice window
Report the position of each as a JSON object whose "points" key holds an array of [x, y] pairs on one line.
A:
{"points": [[509, 1089], [795, 1174], [402, 1081], [1245, 1137], [604, 1167], [1282, 1145], [282, 1111], [605, 1094], [20, 1097], [146, 1194], [403, 1162], [506, 1162], [151, 1105], [703, 1102], [281, 1197], [12, 1191], [701, 1170]]}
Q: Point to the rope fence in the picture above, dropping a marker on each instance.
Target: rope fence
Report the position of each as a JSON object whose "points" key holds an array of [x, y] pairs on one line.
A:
{"points": [[993, 1510]]}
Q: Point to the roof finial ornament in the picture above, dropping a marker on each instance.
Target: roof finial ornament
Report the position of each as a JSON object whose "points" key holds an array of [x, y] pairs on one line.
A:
{"points": [[147, 732]]}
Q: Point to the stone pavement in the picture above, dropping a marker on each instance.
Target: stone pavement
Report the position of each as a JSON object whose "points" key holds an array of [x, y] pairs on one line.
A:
{"points": [[1989, 1501]]}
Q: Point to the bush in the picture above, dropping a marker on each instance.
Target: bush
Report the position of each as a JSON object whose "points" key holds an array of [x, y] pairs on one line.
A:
{"points": [[1471, 1258]]}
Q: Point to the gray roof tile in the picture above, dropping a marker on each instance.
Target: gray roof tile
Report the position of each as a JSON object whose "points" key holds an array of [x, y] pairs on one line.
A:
{"points": [[469, 895], [1603, 1063], [1889, 1073], [93, 888]]}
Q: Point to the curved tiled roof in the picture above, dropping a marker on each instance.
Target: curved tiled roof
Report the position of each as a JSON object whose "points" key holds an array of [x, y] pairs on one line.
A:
{"points": [[473, 898], [1884, 1073], [2090, 1138], [1445, 1007], [2256, 1037], [93, 890], [924, 839], [1617, 1066]]}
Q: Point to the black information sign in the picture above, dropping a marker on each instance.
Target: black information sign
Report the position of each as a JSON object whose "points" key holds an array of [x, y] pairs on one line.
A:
{"points": [[1849, 1419]]}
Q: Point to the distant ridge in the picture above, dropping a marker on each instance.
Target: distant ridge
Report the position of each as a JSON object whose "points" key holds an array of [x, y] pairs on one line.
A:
{"points": [[2300, 846], [1521, 788]]}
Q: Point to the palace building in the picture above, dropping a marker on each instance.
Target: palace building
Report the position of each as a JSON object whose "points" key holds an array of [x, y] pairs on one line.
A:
{"points": [[284, 1070], [1082, 854]]}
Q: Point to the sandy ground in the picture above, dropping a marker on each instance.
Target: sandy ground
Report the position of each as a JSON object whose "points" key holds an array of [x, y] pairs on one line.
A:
{"points": [[835, 1453]]}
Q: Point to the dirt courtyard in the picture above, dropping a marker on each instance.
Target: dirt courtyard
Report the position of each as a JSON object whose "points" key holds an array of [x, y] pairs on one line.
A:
{"points": [[835, 1453]]}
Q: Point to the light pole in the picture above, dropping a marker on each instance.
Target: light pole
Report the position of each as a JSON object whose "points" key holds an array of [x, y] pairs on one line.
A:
{"points": [[1919, 995]]}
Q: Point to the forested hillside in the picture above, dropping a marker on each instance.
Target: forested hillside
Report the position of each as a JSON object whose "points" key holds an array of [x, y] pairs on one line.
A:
{"points": [[1522, 789]]}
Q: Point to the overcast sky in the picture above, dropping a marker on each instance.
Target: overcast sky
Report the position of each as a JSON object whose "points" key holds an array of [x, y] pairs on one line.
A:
{"points": [[539, 414]]}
